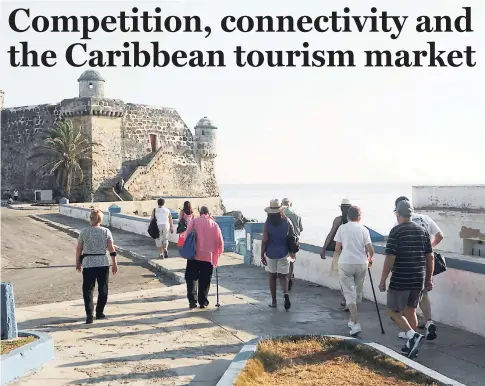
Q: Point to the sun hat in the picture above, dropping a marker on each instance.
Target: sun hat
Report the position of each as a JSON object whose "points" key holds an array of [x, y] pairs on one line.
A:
{"points": [[345, 202], [274, 206]]}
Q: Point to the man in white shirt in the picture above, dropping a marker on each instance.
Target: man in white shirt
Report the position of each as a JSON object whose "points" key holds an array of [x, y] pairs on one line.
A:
{"points": [[165, 226], [436, 236]]}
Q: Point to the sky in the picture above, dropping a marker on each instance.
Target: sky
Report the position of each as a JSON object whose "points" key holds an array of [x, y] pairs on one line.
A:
{"points": [[290, 125]]}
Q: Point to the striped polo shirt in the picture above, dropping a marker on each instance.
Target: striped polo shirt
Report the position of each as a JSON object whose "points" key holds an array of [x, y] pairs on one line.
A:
{"points": [[409, 243]]}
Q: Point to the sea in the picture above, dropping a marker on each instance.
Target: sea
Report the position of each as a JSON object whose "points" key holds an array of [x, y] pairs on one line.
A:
{"points": [[318, 204]]}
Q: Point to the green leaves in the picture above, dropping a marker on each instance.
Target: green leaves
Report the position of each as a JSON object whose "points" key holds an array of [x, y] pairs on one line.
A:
{"points": [[63, 148]]}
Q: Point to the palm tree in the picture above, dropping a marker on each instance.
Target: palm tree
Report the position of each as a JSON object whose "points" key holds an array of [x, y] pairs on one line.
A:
{"points": [[65, 147]]}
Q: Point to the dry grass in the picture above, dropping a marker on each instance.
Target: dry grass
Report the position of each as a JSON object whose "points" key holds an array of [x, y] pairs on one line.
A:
{"points": [[9, 345], [325, 361]]}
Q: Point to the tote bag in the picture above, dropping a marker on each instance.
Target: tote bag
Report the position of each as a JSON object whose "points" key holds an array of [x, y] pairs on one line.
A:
{"points": [[188, 249]]}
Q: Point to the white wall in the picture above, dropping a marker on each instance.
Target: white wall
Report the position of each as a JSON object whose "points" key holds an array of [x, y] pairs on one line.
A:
{"points": [[129, 207], [133, 224], [457, 197], [458, 227], [457, 298]]}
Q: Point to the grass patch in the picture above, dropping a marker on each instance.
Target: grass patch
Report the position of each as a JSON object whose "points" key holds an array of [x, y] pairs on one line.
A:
{"points": [[10, 345], [310, 361]]}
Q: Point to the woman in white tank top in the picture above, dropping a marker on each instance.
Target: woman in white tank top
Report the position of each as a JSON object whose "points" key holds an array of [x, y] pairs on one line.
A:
{"points": [[165, 226]]}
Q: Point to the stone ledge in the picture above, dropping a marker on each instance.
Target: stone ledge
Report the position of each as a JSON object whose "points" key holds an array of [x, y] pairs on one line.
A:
{"points": [[27, 358], [248, 350]]}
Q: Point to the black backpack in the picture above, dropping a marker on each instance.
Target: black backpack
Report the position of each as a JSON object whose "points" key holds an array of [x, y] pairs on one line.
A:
{"points": [[292, 239], [153, 230]]}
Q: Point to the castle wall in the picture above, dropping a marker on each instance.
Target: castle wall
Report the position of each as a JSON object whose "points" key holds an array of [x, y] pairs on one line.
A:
{"points": [[179, 164], [21, 129]]}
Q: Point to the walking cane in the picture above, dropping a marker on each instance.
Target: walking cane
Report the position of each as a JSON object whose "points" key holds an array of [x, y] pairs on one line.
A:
{"points": [[375, 300], [217, 287]]}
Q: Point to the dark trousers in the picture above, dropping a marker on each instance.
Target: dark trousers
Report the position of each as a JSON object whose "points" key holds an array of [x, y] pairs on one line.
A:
{"points": [[90, 276], [198, 275]]}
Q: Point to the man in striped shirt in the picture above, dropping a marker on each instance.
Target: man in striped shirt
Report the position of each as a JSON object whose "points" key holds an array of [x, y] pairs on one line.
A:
{"points": [[409, 256]]}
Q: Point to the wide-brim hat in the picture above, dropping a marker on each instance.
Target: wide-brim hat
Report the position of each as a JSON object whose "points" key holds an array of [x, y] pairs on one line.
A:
{"points": [[274, 207], [345, 202]]}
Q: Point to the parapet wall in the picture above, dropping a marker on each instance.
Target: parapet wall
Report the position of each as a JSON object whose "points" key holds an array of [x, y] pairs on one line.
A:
{"points": [[146, 207], [456, 299], [449, 197]]}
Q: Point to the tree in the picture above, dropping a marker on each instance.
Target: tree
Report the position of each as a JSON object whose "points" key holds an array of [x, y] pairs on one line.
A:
{"points": [[65, 147]]}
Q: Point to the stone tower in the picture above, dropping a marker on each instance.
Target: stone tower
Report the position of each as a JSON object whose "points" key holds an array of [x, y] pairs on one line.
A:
{"points": [[205, 139], [91, 84], [205, 136]]}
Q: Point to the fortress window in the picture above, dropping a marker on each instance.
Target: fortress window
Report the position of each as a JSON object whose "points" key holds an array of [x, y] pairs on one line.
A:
{"points": [[90, 85], [203, 132]]}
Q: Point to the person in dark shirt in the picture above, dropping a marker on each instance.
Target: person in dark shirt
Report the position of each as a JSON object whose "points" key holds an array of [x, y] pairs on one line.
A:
{"points": [[409, 256]]}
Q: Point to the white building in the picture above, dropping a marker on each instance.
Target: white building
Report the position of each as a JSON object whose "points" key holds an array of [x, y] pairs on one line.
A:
{"points": [[460, 213]]}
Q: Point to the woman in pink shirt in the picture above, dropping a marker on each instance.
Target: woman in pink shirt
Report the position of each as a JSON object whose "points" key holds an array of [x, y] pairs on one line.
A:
{"points": [[209, 246]]}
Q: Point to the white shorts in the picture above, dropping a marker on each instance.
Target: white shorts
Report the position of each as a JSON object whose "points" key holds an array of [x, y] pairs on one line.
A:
{"points": [[162, 240], [278, 265]]}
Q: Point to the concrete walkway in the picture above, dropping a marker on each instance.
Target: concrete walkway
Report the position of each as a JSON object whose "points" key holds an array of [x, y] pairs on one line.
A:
{"points": [[151, 337]]}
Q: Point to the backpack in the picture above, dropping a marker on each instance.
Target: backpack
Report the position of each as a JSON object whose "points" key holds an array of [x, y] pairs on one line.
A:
{"points": [[188, 249], [182, 226]]}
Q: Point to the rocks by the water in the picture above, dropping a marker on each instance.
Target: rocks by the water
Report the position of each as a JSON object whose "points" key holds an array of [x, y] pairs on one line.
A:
{"points": [[240, 219]]}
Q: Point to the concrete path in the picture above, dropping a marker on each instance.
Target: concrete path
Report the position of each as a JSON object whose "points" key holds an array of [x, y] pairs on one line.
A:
{"points": [[152, 338], [39, 261]]}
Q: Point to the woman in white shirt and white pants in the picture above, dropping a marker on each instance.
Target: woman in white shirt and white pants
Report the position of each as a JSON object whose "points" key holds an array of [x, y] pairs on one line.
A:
{"points": [[356, 252], [165, 226]]}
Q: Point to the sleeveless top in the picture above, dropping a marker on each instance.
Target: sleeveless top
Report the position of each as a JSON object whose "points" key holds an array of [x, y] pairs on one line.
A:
{"points": [[277, 240]]}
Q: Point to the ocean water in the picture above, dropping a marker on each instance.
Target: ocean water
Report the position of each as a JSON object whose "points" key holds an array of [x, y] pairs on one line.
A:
{"points": [[318, 204]]}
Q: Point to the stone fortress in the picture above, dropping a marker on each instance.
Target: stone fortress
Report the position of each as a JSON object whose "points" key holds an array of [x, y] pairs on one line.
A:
{"points": [[151, 148]]}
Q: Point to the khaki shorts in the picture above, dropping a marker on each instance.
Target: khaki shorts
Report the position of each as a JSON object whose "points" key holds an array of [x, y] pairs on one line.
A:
{"points": [[162, 240], [397, 301], [278, 265], [352, 278]]}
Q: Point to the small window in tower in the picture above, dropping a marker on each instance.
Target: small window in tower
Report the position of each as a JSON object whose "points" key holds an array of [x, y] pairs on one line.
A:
{"points": [[90, 85], [203, 132]]}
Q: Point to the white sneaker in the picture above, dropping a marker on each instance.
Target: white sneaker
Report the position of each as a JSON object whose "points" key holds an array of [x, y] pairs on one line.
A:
{"points": [[350, 324], [355, 329], [402, 335]]}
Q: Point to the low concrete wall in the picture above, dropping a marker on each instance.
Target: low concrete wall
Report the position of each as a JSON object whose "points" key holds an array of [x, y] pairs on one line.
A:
{"points": [[27, 358], [130, 207], [457, 298], [139, 225], [470, 197]]}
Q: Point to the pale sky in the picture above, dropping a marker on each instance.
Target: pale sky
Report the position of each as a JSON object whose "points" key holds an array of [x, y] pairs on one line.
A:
{"points": [[276, 125]]}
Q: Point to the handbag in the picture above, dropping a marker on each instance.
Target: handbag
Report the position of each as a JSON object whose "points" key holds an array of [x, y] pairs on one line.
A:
{"points": [[182, 226], [153, 230], [292, 240], [188, 249], [439, 264]]}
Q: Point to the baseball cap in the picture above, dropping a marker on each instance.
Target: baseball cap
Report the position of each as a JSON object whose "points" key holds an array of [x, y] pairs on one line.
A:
{"points": [[405, 208], [399, 199]]}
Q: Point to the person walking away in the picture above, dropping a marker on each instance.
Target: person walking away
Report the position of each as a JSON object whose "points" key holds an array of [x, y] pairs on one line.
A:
{"points": [[409, 256], [354, 244], [208, 247], [186, 215], [297, 227], [275, 253], [92, 259], [165, 226], [15, 195], [329, 244], [425, 304]]}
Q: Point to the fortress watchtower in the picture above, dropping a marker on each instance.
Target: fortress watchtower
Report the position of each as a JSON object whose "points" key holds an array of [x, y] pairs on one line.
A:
{"points": [[205, 134], [91, 84]]}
